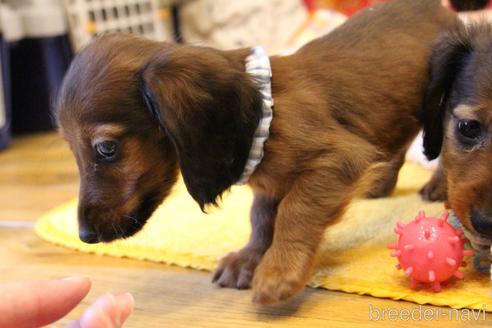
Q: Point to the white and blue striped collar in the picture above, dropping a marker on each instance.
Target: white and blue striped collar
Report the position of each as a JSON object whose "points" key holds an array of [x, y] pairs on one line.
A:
{"points": [[258, 66]]}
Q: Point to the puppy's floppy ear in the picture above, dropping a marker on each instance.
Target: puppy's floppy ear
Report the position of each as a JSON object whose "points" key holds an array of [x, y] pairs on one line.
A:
{"points": [[448, 59], [210, 108]]}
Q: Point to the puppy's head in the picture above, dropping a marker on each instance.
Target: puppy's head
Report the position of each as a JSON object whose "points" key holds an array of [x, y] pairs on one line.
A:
{"points": [[136, 111], [458, 122]]}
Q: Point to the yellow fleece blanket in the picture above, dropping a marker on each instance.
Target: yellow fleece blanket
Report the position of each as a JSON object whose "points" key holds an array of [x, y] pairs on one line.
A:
{"points": [[353, 257]]}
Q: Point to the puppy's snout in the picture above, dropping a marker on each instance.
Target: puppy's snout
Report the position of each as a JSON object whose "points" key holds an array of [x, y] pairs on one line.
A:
{"points": [[481, 220], [87, 232], [88, 236]]}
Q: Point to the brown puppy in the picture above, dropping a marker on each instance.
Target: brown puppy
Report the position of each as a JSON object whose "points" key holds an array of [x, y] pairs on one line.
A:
{"points": [[458, 125], [136, 111]]}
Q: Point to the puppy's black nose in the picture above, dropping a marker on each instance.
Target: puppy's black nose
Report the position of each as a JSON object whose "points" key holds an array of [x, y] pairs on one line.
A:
{"points": [[87, 233], [482, 222], [88, 236]]}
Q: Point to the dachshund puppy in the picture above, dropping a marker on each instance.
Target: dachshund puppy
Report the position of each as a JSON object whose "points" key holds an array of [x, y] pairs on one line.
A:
{"points": [[458, 125], [137, 112]]}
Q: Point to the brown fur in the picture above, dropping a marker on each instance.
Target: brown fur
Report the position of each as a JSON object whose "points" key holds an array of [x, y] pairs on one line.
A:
{"points": [[345, 104]]}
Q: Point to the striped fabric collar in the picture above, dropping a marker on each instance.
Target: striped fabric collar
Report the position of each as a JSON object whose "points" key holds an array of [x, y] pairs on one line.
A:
{"points": [[258, 66]]}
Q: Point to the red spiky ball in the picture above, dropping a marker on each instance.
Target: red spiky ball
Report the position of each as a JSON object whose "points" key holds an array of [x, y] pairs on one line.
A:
{"points": [[429, 250]]}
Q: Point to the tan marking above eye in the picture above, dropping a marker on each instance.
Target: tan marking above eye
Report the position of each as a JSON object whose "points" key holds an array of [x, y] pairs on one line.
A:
{"points": [[466, 112], [107, 131]]}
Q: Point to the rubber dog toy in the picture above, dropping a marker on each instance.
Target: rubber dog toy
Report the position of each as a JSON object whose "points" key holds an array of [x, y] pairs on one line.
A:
{"points": [[429, 250]]}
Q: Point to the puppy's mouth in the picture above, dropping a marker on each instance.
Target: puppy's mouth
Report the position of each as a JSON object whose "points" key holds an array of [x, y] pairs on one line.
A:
{"points": [[109, 230], [478, 231]]}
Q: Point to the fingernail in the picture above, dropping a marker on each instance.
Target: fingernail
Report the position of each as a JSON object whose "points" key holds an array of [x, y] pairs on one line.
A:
{"points": [[73, 278], [108, 310], [125, 303], [107, 301], [126, 299], [102, 313], [78, 280]]}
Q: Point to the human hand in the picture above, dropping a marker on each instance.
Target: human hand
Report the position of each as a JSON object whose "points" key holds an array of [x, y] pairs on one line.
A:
{"points": [[37, 303]]}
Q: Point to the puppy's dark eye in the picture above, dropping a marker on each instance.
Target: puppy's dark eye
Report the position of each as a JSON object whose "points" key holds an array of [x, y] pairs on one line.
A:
{"points": [[106, 149], [469, 129]]}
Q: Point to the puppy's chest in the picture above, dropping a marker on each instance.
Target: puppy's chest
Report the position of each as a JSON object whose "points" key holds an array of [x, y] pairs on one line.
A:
{"points": [[273, 185]]}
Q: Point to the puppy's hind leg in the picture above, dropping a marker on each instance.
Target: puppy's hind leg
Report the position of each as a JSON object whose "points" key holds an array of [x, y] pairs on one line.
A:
{"points": [[384, 185], [236, 269], [436, 189]]}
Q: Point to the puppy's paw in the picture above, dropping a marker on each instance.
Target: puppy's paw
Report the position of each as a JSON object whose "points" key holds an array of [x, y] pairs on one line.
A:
{"points": [[236, 269], [275, 281], [433, 191]]}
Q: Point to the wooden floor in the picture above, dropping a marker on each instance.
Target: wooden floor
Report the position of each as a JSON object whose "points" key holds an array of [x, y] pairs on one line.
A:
{"points": [[38, 172]]}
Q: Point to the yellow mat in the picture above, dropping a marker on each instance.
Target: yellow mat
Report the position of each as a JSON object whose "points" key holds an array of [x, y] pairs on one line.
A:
{"points": [[353, 257]]}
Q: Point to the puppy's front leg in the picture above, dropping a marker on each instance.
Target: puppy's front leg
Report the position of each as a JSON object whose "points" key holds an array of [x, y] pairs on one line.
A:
{"points": [[237, 268], [436, 189], [314, 201], [384, 185]]}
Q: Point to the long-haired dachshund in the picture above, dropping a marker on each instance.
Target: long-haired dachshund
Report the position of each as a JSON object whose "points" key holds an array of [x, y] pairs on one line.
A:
{"points": [[137, 112], [458, 125]]}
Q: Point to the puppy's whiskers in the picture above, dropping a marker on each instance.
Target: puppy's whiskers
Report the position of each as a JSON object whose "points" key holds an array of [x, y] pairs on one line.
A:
{"points": [[114, 229], [134, 221], [120, 228]]}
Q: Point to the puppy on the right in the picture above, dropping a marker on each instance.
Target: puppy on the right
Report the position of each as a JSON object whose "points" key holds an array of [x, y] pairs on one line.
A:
{"points": [[458, 125]]}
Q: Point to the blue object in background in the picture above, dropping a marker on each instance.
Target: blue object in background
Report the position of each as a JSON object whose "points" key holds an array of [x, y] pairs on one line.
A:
{"points": [[5, 105], [37, 69], [40, 53]]}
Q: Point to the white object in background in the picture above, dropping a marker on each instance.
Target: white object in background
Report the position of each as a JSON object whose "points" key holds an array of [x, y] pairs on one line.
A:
{"points": [[228, 24], [43, 21], [32, 19], [88, 18], [415, 153], [11, 24]]}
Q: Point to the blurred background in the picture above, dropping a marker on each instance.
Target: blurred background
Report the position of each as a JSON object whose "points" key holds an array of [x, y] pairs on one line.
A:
{"points": [[38, 38]]}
